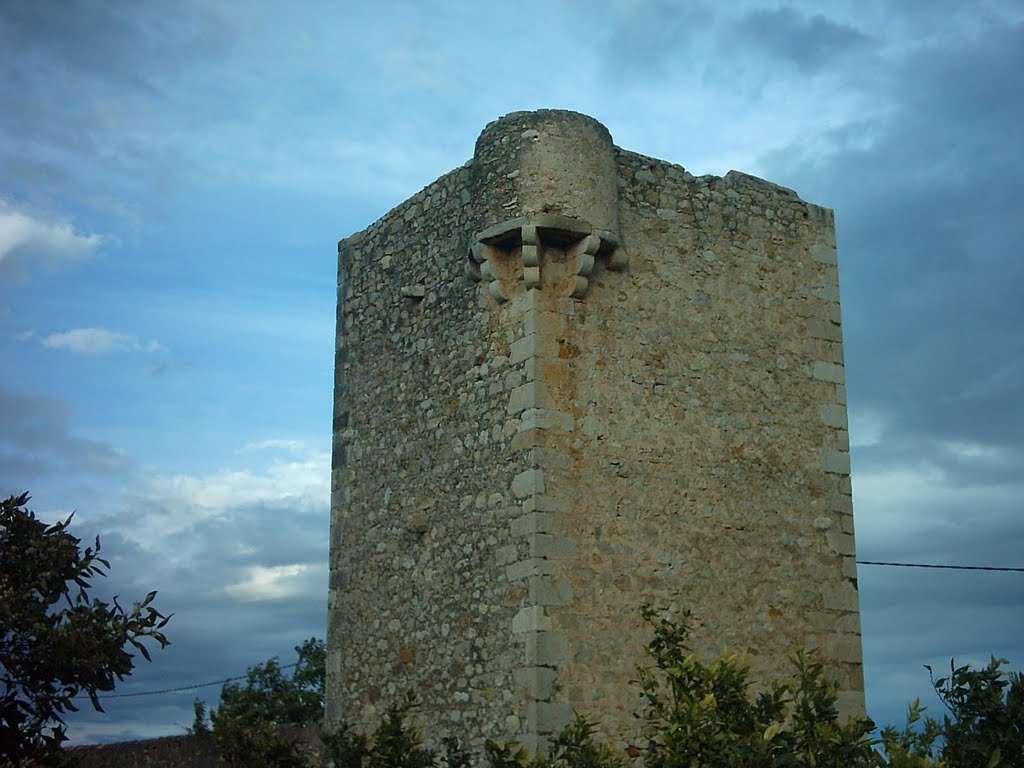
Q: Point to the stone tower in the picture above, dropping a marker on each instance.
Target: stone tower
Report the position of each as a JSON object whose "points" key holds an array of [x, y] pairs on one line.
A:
{"points": [[571, 380]]}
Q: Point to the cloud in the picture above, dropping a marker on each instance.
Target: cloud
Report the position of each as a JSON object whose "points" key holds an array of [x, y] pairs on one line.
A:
{"points": [[239, 556], [87, 95], [866, 428], [93, 341], [67, 42], [29, 241], [278, 493], [810, 43], [273, 444], [940, 509], [922, 502], [653, 39], [36, 442], [928, 231], [276, 582]]}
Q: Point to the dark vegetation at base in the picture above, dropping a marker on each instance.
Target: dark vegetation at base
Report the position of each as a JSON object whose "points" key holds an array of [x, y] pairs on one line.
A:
{"points": [[55, 642], [709, 724], [698, 715]]}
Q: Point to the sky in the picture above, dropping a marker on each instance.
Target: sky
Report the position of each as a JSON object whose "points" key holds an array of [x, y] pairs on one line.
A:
{"points": [[174, 179]]}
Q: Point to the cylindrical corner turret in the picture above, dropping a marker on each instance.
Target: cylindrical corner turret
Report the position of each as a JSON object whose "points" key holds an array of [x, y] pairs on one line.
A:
{"points": [[549, 162]]}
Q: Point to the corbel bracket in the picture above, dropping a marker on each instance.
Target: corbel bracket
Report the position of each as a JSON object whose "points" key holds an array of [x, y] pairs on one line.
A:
{"points": [[491, 254]]}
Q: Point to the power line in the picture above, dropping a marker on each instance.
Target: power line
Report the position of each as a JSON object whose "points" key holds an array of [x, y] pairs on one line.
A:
{"points": [[182, 688], [949, 567]]}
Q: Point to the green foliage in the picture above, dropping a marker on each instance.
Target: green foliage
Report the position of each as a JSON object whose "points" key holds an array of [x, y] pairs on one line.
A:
{"points": [[455, 755], [987, 724], [297, 699], [248, 740], [984, 727], [397, 745], [394, 745], [248, 723], [200, 727], [819, 737], [698, 714], [55, 642], [914, 745], [508, 754], [345, 747], [574, 747], [703, 715]]}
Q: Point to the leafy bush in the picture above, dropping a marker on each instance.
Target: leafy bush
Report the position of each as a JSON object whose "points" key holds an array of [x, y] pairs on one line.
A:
{"points": [[703, 715], [698, 714], [574, 747], [913, 746], [394, 745]]}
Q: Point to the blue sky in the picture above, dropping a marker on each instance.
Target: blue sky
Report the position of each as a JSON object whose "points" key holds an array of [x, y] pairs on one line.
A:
{"points": [[173, 180]]}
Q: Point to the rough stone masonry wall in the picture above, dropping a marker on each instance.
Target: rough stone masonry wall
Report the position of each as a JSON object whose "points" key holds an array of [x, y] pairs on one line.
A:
{"points": [[524, 457], [420, 477], [708, 466]]}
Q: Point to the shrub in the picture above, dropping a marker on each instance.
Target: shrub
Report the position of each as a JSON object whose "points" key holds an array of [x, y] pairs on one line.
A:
{"points": [[703, 715]]}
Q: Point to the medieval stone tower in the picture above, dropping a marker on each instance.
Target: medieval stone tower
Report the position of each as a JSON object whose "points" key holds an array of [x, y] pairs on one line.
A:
{"points": [[571, 380]]}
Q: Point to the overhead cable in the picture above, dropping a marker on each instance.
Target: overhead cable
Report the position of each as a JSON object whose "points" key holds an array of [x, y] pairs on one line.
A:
{"points": [[948, 567]]}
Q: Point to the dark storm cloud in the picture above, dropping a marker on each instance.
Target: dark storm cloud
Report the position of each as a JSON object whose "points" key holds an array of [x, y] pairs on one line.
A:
{"points": [[811, 43], [928, 219], [917, 617], [917, 515], [36, 442]]}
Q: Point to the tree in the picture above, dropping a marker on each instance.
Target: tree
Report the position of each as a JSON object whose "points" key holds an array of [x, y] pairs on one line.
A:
{"points": [[55, 642], [247, 724]]}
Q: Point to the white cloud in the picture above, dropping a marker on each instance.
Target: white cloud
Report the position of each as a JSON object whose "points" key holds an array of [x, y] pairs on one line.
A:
{"points": [[301, 480], [273, 444], [273, 582], [967, 450], [922, 504], [866, 428], [27, 240], [116, 730], [172, 505], [94, 341]]}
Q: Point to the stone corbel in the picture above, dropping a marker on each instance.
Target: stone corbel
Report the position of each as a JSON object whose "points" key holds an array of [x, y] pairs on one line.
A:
{"points": [[490, 253]]}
